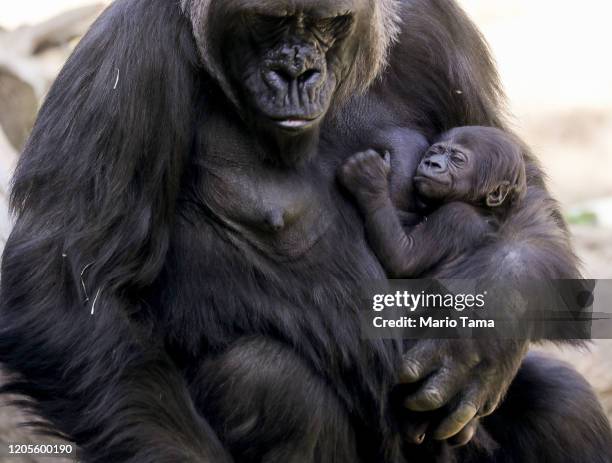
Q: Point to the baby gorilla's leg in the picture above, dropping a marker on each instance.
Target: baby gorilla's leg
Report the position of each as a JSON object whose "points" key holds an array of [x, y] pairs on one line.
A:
{"points": [[366, 176], [267, 405]]}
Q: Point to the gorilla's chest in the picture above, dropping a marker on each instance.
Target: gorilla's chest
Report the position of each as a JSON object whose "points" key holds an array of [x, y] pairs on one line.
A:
{"points": [[279, 211]]}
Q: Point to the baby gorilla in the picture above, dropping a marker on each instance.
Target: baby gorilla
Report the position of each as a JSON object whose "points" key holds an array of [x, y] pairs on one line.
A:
{"points": [[470, 178], [467, 183]]}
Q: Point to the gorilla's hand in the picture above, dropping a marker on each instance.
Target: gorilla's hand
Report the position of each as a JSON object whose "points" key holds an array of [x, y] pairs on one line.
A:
{"points": [[366, 176], [465, 378]]}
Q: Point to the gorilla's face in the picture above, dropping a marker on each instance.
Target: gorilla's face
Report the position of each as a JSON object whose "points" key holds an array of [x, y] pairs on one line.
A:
{"points": [[477, 165], [446, 173], [287, 59]]}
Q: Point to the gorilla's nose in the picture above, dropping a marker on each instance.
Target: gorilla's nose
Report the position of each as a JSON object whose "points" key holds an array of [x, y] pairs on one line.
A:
{"points": [[295, 64], [287, 74], [435, 163]]}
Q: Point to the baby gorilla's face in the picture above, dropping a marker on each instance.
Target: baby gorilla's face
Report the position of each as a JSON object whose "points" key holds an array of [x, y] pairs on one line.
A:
{"points": [[446, 173]]}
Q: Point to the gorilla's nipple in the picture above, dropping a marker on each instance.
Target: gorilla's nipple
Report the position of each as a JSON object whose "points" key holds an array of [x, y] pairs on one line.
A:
{"points": [[275, 220]]}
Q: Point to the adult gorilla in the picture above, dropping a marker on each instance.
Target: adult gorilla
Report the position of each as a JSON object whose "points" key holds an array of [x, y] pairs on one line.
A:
{"points": [[180, 282]]}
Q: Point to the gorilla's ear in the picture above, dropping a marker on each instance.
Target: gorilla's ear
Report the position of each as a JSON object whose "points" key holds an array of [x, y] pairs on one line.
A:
{"points": [[102, 167], [498, 195]]}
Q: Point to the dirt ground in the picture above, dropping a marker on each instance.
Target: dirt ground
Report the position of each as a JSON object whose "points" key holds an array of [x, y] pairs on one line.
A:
{"points": [[550, 57]]}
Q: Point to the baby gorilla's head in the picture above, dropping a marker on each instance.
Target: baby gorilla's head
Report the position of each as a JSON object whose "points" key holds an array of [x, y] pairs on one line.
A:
{"points": [[482, 166]]}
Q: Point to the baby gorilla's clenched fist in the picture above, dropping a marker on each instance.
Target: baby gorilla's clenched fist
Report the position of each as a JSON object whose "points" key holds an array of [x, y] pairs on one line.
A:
{"points": [[366, 174]]}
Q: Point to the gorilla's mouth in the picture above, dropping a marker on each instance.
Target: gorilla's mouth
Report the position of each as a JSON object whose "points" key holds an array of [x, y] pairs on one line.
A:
{"points": [[423, 179], [431, 187], [294, 112], [296, 123]]}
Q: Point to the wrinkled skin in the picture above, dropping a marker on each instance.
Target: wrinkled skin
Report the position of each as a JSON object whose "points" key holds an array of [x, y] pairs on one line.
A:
{"points": [[291, 64], [481, 166], [446, 172]]}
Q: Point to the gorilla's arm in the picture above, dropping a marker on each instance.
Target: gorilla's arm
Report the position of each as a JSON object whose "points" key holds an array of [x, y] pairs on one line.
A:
{"points": [[93, 195], [472, 376], [410, 253], [440, 76]]}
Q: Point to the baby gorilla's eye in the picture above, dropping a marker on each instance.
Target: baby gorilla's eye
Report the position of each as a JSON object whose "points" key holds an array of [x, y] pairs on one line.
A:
{"points": [[458, 158]]}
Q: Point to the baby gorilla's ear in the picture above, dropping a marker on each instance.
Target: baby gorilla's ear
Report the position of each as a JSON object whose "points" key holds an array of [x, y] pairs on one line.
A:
{"points": [[497, 197]]}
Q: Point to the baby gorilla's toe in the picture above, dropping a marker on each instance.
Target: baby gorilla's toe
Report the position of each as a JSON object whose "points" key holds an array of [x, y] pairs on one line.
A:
{"points": [[364, 171]]}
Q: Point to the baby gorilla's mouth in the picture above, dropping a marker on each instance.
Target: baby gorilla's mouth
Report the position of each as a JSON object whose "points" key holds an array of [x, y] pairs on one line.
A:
{"points": [[431, 187], [422, 178]]}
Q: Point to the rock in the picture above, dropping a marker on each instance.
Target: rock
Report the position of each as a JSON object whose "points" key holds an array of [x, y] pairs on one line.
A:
{"points": [[19, 105]]}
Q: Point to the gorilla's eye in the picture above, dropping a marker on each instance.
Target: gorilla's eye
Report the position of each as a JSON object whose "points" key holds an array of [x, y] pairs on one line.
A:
{"points": [[266, 26], [335, 27], [263, 20], [458, 158]]}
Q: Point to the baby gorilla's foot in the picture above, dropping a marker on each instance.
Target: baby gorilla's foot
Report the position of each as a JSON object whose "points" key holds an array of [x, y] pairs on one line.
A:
{"points": [[366, 175]]}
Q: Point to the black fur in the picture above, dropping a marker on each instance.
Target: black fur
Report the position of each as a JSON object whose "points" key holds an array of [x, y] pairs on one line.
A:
{"points": [[152, 313]]}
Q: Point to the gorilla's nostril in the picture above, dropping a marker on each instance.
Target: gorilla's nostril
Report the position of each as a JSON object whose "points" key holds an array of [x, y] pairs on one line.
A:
{"points": [[311, 76], [285, 76], [280, 75]]}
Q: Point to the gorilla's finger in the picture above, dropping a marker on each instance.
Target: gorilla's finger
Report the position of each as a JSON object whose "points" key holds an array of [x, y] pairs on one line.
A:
{"points": [[490, 406], [387, 159], [436, 392], [363, 155], [415, 431], [417, 364], [459, 418], [465, 435]]}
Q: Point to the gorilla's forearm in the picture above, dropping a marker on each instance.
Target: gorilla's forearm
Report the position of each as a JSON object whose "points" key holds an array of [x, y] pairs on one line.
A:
{"points": [[396, 249], [534, 246], [411, 252]]}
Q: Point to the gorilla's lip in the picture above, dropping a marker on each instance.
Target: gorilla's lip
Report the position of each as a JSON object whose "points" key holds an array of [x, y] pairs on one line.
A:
{"points": [[295, 122], [420, 177]]}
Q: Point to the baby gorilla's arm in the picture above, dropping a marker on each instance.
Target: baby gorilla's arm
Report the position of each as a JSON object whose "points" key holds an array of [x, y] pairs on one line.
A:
{"points": [[365, 175], [403, 254]]}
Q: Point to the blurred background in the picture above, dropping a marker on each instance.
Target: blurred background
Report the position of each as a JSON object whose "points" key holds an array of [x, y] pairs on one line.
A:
{"points": [[552, 59]]}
